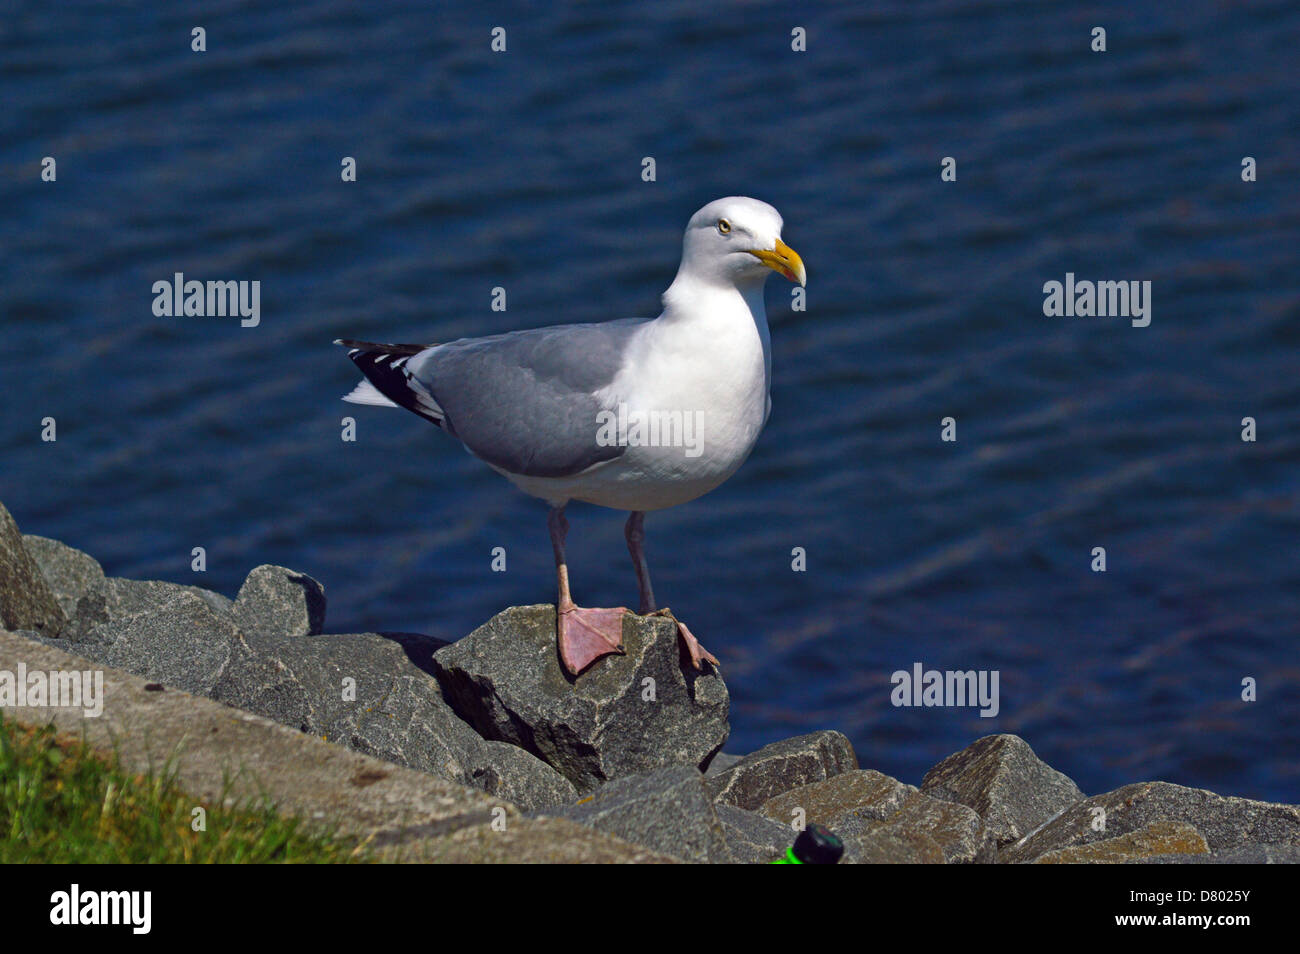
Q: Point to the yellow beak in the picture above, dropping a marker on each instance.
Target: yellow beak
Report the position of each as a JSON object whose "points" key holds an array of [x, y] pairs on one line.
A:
{"points": [[783, 259]]}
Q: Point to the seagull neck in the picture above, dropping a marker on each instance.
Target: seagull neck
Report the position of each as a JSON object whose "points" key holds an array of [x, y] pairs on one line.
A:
{"points": [[683, 298]]}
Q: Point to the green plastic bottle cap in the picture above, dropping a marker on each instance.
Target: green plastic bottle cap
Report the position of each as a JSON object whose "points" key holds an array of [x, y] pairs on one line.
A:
{"points": [[818, 845]]}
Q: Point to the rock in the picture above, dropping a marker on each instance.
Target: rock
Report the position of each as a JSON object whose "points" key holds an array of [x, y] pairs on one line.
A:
{"points": [[509, 772], [118, 599], [872, 843], [395, 710], [666, 810], [1158, 838], [752, 839], [721, 762], [185, 644], [876, 815], [1005, 783], [624, 715], [414, 727], [960, 833], [257, 679], [25, 598], [1225, 822], [89, 599], [1256, 855], [54, 642], [128, 597], [69, 573], [299, 682], [781, 766], [863, 793], [1247, 855], [92, 612], [276, 601]]}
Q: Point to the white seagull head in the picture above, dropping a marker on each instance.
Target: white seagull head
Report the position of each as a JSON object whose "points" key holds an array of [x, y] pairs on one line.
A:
{"points": [[736, 241]]}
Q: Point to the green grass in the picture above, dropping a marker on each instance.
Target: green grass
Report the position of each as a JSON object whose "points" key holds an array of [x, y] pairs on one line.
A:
{"points": [[63, 803]]}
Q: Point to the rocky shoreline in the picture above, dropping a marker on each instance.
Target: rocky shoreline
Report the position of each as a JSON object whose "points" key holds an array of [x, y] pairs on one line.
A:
{"points": [[632, 748]]}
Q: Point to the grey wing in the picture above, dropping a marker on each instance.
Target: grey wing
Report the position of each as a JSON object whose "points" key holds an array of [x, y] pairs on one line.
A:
{"points": [[525, 401]]}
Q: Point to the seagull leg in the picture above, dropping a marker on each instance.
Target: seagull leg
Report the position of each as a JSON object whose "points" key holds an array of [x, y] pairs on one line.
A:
{"points": [[584, 635], [635, 534]]}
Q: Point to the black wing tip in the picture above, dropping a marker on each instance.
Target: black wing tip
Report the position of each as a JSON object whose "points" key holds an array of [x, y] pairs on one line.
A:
{"points": [[397, 350], [383, 366]]}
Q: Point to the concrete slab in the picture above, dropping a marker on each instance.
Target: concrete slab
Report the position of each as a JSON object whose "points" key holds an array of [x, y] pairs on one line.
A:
{"points": [[218, 749]]}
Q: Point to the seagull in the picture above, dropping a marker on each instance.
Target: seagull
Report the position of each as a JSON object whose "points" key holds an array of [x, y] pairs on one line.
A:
{"points": [[633, 414]]}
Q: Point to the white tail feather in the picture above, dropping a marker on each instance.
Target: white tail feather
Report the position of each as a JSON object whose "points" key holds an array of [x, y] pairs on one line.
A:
{"points": [[367, 393]]}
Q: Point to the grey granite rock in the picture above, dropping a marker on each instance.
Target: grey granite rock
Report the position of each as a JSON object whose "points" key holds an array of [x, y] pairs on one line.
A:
{"points": [[868, 842], [781, 766], [956, 829], [751, 838], [509, 772], [57, 642], [1225, 822], [94, 609], [1157, 839], [322, 685], [721, 762], [89, 599], [258, 679], [116, 599], [1257, 855], [1247, 855], [666, 810], [367, 691], [184, 643], [69, 573], [1005, 783], [626, 714], [414, 727], [863, 793], [276, 601], [25, 598], [878, 816], [128, 597]]}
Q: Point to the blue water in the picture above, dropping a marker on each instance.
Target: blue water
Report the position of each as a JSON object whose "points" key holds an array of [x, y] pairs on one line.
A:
{"points": [[925, 300]]}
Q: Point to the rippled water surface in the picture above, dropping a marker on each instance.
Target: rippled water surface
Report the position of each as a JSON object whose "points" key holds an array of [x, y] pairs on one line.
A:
{"points": [[925, 301]]}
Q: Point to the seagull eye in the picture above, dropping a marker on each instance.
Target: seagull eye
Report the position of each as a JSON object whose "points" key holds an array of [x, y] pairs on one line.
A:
{"points": [[724, 226]]}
